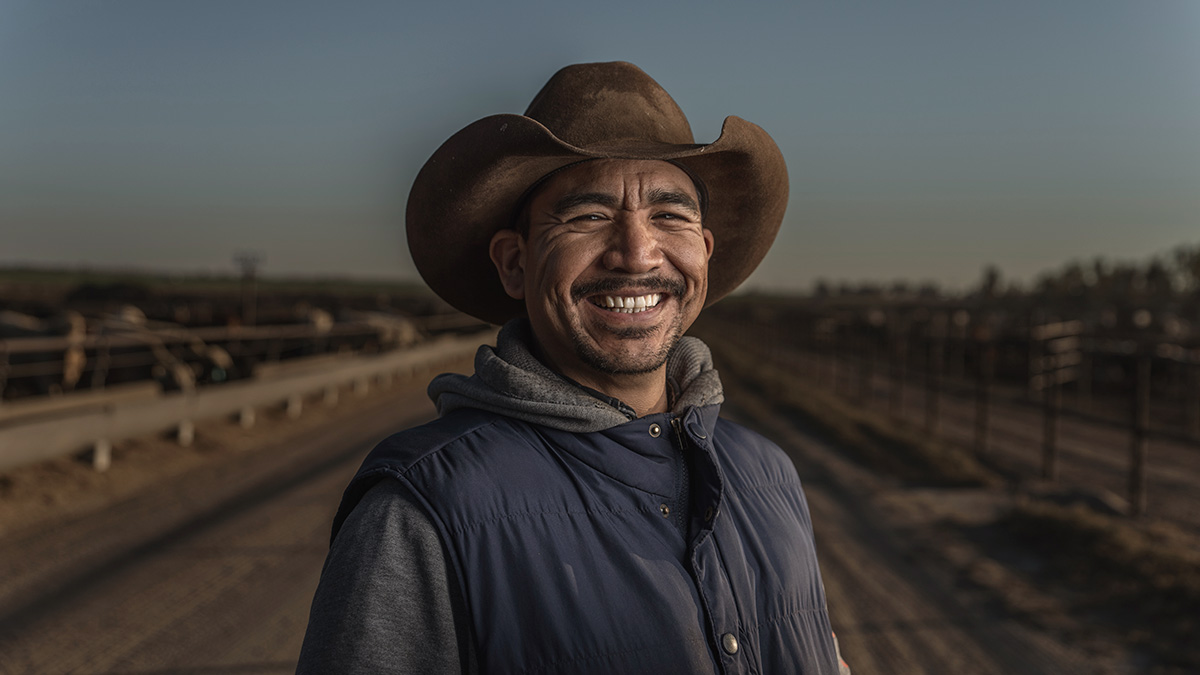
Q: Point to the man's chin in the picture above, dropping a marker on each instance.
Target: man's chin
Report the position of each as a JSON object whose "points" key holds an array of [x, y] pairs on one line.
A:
{"points": [[608, 365], [630, 351], [636, 332]]}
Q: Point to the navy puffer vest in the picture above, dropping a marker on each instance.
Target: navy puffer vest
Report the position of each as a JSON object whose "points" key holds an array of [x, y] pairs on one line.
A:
{"points": [[574, 559]]}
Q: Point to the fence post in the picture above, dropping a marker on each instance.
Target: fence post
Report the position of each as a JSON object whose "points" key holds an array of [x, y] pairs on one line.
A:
{"points": [[801, 350], [294, 406], [1139, 437], [983, 383], [1084, 384], [101, 455], [772, 333], [896, 367], [936, 359], [103, 361], [185, 433], [1052, 401], [820, 353], [1034, 353], [962, 319], [1193, 411], [866, 367], [3, 369], [832, 353]]}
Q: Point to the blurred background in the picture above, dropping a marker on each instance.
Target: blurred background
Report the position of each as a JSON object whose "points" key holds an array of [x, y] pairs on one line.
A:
{"points": [[985, 295]]}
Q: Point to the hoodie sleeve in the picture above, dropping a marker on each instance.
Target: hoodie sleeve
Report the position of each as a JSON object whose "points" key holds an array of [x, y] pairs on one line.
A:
{"points": [[388, 600]]}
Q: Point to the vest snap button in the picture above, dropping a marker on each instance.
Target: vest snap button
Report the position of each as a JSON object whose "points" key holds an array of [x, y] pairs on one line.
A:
{"points": [[665, 510], [655, 430], [709, 513], [729, 643]]}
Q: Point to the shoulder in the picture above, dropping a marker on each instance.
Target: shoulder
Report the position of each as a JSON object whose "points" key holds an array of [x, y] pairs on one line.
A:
{"points": [[456, 442], [402, 450], [461, 451], [752, 457], [747, 443]]}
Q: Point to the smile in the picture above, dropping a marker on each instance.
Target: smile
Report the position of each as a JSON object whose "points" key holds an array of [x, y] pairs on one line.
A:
{"points": [[627, 304]]}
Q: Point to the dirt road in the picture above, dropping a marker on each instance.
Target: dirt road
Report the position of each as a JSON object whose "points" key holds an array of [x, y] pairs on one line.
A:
{"points": [[214, 574]]}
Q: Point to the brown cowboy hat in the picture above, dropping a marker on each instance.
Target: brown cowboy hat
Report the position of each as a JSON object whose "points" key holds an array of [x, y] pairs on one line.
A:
{"points": [[473, 184]]}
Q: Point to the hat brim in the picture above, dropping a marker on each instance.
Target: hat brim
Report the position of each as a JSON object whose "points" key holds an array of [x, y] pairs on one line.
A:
{"points": [[471, 186]]}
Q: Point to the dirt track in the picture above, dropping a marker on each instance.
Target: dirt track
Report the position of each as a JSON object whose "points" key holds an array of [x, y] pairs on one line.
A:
{"points": [[214, 572]]}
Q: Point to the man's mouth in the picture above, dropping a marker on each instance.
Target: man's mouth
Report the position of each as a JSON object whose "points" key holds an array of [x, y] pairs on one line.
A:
{"points": [[627, 304]]}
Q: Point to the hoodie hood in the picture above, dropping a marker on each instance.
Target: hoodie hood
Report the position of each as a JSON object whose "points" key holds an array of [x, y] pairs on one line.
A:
{"points": [[509, 380]]}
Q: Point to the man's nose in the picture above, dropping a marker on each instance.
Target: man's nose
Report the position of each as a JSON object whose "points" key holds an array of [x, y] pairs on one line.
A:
{"points": [[634, 248]]}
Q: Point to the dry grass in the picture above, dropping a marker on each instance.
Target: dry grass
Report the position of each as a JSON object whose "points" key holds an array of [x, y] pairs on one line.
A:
{"points": [[870, 438], [1142, 579], [1135, 581]]}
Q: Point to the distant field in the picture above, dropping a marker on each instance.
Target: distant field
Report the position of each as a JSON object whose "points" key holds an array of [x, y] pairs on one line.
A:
{"points": [[201, 283]]}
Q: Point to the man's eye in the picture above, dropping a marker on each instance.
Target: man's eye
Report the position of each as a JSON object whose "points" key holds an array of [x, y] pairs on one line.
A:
{"points": [[588, 217], [666, 215]]}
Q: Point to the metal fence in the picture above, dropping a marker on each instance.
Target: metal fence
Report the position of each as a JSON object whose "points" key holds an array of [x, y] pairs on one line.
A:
{"points": [[953, 379], [101, 419]]}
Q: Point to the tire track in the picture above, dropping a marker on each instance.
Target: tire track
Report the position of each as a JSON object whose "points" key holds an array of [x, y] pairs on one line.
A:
{"points": [[213, 573], [893, 610]]}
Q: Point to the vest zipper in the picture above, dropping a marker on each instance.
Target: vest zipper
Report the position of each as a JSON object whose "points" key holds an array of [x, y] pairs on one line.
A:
{"points": [[683, 494]]}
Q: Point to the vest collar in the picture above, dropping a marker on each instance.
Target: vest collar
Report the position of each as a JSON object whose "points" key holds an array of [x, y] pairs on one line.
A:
{"points": [[511, 381]]}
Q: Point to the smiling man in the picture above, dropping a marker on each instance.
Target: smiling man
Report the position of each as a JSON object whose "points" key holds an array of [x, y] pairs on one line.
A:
{"points": [[579, 506], [612, 263]]}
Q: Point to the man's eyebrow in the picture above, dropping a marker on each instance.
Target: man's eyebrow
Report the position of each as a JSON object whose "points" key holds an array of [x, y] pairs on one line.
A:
{"points": [[661, 196], [570, 201]]}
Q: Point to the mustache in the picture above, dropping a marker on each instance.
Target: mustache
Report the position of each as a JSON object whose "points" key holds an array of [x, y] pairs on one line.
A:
{"points": [[654, 284]]}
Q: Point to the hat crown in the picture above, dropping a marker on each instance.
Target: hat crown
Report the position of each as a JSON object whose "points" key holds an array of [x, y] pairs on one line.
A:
{"points": [[598, 104]]}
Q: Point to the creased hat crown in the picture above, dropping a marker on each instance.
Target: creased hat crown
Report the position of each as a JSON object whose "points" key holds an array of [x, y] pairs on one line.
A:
{"points": [[598, 104]]}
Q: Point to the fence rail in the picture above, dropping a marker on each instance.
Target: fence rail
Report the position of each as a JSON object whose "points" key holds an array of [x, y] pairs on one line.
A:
{"points": [[56, 434], [120, 352], [1119, 416]]}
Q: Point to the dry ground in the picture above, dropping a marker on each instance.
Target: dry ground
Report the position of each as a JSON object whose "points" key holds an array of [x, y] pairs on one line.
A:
{"points": [[183, 560], [204, 560]]}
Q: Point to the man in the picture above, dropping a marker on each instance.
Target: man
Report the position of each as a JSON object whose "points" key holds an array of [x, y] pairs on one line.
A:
{"points": [[578, 507]]}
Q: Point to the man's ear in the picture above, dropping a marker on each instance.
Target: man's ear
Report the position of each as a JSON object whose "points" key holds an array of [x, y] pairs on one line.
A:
{"points": [[506, 251], [708, 243]]}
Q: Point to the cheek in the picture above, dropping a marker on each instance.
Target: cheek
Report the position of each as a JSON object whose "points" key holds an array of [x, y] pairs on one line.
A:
{"points": [[562, 265], [692, 261], [551, 280]]}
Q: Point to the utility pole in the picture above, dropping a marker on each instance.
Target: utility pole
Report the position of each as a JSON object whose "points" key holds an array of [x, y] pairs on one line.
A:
{"points": [[249, 261]]}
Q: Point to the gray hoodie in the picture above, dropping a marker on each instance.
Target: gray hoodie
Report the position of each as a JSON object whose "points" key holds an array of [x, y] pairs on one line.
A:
{"points": [[388, 600], [511, 381]]}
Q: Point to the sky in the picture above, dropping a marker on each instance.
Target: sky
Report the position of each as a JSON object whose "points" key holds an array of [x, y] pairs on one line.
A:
{"points": [[925, 139]]}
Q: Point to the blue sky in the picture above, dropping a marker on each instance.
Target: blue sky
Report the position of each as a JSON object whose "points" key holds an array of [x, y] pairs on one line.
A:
{"points": [[925, 139]]}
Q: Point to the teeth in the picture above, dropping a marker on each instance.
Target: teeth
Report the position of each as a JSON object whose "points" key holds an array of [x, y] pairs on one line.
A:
{"points": [[630, 305]]}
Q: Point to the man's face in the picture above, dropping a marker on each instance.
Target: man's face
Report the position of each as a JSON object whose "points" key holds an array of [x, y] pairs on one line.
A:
{"points": [[615, 265]]}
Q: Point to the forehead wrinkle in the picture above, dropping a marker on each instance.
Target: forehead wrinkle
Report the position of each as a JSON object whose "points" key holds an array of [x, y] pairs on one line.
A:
{"points": [[571, 200]]}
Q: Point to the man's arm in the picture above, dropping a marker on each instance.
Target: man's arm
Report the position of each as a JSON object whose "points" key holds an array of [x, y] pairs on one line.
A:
{"points": [[388, 600]]}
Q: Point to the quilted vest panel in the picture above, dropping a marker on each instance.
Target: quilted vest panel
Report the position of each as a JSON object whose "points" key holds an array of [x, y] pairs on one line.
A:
{"points": [[574, 558]]}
